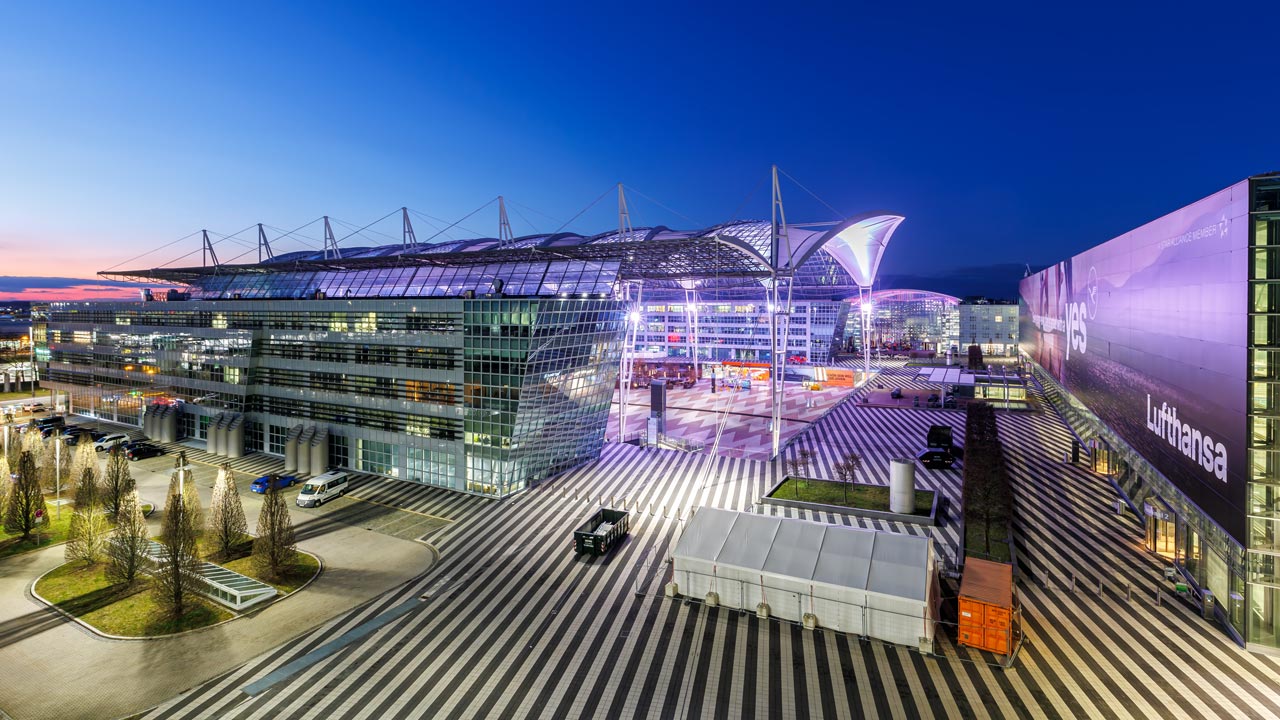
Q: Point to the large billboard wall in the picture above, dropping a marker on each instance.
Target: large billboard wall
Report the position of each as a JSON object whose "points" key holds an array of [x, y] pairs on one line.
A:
{"points": [[1149, 331]]}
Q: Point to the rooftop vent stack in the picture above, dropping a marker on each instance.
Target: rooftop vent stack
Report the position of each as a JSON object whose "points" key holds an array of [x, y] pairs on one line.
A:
{"points": [[320, 451], [233, 440]]}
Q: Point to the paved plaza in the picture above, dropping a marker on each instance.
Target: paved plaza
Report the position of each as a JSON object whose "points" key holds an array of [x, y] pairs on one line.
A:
{"points": [[511, 624]]}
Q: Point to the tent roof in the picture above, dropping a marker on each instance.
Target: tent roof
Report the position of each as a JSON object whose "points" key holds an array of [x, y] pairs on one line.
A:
{"points": [[870, 560]]}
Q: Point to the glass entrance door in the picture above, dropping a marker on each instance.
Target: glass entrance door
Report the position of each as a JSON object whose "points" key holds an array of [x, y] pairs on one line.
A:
{"points": [[1161, 532]]}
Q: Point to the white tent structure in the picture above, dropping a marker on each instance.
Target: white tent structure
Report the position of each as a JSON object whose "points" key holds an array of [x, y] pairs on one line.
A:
{"points": [[864, 582]]}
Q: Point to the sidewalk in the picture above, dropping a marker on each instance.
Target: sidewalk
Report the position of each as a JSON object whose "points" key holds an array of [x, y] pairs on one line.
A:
{"points": [[56, 669]]}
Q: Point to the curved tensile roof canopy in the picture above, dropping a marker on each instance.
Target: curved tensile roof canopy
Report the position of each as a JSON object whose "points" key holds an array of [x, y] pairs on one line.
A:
{"points": [[904, 295], [728, 259]]}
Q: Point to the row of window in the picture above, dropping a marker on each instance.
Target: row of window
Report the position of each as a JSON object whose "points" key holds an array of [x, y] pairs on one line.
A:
{"points": [[432, 358], [398, 388]]}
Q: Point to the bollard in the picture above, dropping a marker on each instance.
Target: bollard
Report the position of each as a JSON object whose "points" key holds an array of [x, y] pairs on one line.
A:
{"points": [[1128, 592], [1099, 587], [1073, 582], [1157, 596]]}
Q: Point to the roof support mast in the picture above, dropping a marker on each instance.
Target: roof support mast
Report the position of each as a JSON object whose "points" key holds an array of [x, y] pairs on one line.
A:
{"points": [[505, 236], [330, 242], [263, 245], [206, 250], [408, 238], [633, 318], [779, 312]]}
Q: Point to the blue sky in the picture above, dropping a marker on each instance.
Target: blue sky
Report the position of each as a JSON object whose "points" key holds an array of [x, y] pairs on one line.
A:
{"points": [[1006, 134]]}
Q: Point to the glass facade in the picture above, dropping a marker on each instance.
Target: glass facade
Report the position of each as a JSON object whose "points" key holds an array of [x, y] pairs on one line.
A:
{"points": [[737, 330], [904, 320], [486, 395], [1261, 605]]}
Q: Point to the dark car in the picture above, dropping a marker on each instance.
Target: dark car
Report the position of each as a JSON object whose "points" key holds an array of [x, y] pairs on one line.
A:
{"points": [[140, 451], [896, 394], [74, 434], [936, 459], [280, 481]]}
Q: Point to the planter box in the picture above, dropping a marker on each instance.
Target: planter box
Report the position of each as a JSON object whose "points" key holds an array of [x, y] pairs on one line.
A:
{"points": [[930, 519]]}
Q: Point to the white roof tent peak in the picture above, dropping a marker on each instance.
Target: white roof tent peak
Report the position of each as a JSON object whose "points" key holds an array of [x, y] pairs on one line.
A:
{"points": [[858, 245]]}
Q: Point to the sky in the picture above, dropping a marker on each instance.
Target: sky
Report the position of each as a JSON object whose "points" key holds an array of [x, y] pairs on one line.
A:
{"points": [[1007, 135]]}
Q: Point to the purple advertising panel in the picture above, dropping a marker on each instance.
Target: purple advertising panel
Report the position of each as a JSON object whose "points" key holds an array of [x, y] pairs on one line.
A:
{"points": [[1149, 330]]}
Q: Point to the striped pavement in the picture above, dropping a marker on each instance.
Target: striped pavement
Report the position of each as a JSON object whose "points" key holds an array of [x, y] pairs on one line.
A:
{"points": [[510, 624]]}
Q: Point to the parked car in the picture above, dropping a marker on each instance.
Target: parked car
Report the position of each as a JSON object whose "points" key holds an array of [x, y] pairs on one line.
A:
{"points": [[936, 458], [75, 434], [109, 441], [34, 407], [896, 394], [281, 481], [140, 451], [321, 488]]}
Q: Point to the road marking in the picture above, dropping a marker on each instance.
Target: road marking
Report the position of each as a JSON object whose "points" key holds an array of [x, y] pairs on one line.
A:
{"points": [[393, 507], [361, 631]]}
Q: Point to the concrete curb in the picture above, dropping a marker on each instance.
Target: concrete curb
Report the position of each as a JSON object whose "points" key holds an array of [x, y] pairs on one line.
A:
{"points": [[931, 519], [133, 638]]}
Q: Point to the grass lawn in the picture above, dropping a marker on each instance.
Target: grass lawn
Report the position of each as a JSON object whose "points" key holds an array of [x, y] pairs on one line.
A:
{"points": [[241, 561], [975, 543], [303, 570], [864, 497], [83, 591], [49, 533]]}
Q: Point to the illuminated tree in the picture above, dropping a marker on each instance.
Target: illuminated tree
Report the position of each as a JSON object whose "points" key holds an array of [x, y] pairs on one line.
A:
{"points": [[128, 544], [227, 526], [83, 459], [26, 504], [275, 549], [117, 482], [87, 536], [179, 564], [5, 484], [190, 494]]}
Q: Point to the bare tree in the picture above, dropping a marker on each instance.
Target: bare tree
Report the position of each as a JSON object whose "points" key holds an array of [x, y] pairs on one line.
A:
{"points": [[178, 560], [57, 465], [117, 482], [83, 458], [87, 536], [88, 492], [846, 469], [128, 544], [191, 495], [6, 484], [275, 549], [26, 505], [227, 526], [798, 467]]}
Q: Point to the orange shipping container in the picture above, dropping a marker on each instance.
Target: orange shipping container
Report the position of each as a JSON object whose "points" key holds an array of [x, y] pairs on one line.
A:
{"points": [[986, 605]]}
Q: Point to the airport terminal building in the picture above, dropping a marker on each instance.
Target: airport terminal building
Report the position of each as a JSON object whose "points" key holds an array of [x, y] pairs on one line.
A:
{"points": [[482, 366], [1162, 348]]}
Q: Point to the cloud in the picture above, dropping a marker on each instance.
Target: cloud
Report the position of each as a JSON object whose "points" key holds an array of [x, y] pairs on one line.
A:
{"points": [[48, 289]]}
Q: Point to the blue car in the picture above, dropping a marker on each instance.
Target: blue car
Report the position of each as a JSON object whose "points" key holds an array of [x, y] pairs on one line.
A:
{"points": [[281, 481]]}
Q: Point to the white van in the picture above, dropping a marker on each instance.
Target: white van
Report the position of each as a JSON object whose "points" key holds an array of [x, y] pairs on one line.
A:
{"points": [[321, 488]]}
